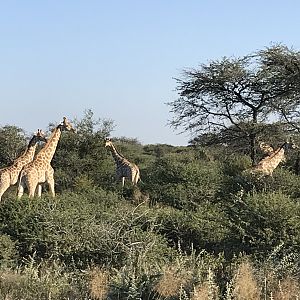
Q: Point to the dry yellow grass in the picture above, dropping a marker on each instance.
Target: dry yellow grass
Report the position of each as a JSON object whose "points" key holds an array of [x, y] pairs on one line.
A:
{"points": [[171, 282], [201, 292], [99, 284], [245, 286]]}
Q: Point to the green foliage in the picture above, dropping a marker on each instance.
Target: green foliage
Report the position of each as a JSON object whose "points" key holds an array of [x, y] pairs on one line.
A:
{"points": [[79, 228], [205, 228], [12, 143], [261, 221], [83, 154], [235, 164], [7, 251], [183, 181]]}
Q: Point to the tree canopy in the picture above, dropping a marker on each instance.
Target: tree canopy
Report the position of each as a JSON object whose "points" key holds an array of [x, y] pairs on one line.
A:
{"points": [[240, 95]]}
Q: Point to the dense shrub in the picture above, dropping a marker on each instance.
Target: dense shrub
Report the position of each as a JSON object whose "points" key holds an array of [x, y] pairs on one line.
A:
{"points": [[7, 251], [81, 228], [233, 165], [183, 183], [205, 228], [262, 221]]}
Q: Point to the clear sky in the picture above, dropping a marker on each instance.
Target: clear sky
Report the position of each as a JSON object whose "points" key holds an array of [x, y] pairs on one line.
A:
{"points": [[119, 57]]}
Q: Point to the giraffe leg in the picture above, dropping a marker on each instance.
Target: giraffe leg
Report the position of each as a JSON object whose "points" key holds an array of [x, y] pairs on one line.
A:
{"points": [[51, 186], [3, 187], [20, 190], [50, 180], [39, 190], [32, 188], [4, 183], [21, 187]]}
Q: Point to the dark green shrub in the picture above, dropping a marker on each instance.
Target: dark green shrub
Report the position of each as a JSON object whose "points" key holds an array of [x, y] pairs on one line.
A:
{"points": [[93, 227], [282, 180], [285, 181], [262, 221], [182, 181], [8, 252], [205, 228], [234, 165]]}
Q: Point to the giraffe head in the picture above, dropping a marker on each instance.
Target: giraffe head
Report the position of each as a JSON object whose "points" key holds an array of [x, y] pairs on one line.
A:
{"points": [[39, 136], [65, 125], [108, 142], [266, 148]]}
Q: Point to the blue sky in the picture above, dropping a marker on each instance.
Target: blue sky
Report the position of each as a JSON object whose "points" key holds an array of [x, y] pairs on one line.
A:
{"points": [[119, 58]]}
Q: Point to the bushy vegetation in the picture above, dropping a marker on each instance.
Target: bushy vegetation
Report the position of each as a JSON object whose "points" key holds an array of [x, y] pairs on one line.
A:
{"points": [[196, 227]]}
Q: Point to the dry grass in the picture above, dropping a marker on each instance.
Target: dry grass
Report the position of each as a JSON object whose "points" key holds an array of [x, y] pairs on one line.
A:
{"points": [[288, 289], [171, 282], [245, 285], [207, 290], [201, 292], [99, 284]]}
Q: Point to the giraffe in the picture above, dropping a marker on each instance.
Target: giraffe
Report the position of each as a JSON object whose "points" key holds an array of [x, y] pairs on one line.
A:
{"points": [[9, 175], [40, 169], [268, 164], [124, 168]]}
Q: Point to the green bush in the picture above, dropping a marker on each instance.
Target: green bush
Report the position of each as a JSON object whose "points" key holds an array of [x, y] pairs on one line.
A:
{"points": [[205, 228], [234, 165], [286, 182], [262, 221], [7, 251], [282, 180], [183, 182], [93, 227]]}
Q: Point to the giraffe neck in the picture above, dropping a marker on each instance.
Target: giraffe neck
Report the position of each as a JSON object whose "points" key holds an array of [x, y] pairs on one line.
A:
{"points": [[279, 155], [28, 154], [280, 150], [47, 153], [119, 158]]}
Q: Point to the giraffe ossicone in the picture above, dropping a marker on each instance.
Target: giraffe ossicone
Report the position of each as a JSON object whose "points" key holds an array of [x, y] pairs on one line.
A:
{"points": [[40, 170]]}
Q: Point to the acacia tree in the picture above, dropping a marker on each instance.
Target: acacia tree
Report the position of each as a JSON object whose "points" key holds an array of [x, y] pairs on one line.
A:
{"points": [[239, 94]]}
